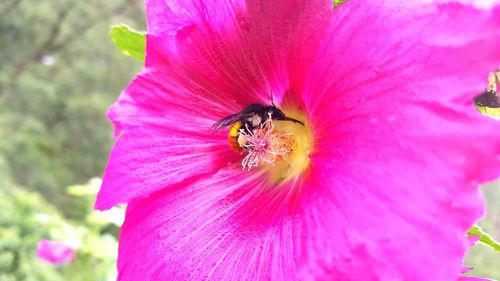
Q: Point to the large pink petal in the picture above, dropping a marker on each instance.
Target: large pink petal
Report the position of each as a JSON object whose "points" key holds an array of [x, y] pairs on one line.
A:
{"points": [[384, 213], [232, 226], [409, 87], [434, 53], [399, 148], [151, 158], [155, 96], [161, 141], [242, 50]]}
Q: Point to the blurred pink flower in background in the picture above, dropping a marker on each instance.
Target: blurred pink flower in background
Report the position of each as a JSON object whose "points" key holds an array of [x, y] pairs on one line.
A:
{"points": [[389, 186], [55, 252]]}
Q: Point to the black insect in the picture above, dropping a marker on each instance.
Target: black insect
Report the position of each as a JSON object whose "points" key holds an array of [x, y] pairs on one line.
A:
{"points": [[250, 118], [488, 102], [253, 115]]}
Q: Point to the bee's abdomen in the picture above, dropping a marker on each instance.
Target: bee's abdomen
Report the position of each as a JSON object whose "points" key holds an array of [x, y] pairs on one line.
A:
{"points": [[233, 136]]}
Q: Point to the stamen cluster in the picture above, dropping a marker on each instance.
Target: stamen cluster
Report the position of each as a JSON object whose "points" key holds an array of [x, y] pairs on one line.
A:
{"points": [[265, 145]]}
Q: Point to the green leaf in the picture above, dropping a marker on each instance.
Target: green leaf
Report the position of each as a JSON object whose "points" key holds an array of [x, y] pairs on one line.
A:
{"points": [[484, 238], [129, 41], [337, 3]]}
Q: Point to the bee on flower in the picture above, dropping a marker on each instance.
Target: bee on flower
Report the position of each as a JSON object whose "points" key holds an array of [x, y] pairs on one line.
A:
{"points": [[365, 165]]}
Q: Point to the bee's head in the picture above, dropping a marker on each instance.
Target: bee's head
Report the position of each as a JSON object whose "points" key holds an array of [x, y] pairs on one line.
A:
{"points": [[277, 114]]}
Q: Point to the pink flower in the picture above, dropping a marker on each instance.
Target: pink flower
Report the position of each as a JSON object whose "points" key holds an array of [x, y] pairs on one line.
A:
{"points": [[381, 181], [55, 252]]}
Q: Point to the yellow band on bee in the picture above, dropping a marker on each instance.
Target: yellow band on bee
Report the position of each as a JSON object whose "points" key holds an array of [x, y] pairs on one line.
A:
{"points": [[491, 111], [233, 136]]}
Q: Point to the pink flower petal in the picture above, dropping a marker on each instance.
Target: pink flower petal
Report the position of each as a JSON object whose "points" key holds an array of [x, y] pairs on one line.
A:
{"points": [[55, 252], [159, 148], [440, 54], [227, 226], [156, 97], [400, 148], [374, 215], [240, 49], [465, 269], [473, 239]]}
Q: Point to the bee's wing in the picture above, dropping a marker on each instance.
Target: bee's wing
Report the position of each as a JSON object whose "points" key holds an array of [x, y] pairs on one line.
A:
{"points": [[226, 121]]}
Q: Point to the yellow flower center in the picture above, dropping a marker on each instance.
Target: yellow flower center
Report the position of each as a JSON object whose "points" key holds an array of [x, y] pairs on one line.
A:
{"points": [[297, 161], [281, 147]]}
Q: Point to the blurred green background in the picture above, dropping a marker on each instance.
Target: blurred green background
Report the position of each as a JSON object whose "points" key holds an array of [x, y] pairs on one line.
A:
{"points": [[59, 72]]}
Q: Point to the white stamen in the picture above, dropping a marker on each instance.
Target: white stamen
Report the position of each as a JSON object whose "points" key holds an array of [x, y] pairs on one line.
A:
{"points": [[265, 145]]}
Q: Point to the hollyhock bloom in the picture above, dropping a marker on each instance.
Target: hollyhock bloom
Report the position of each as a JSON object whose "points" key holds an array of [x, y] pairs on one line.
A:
{"points": [[55, 252], [379, 183]]}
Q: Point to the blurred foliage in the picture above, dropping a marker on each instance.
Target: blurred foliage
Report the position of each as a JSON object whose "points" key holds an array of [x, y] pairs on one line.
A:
{"points": [[484, 259], [59, 72], [27, 217]]}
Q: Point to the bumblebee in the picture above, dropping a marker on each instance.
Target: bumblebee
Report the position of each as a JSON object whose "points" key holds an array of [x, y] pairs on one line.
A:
{"points": [[488, 102], [250, 118]]}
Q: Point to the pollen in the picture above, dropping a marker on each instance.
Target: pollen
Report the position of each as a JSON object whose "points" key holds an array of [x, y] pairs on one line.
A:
{"points": [[281, 147], [266, 145], [297, 162]]}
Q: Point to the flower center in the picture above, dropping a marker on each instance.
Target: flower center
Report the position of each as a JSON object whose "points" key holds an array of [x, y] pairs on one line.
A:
{"points": [[265, 144], [280, 146]]}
